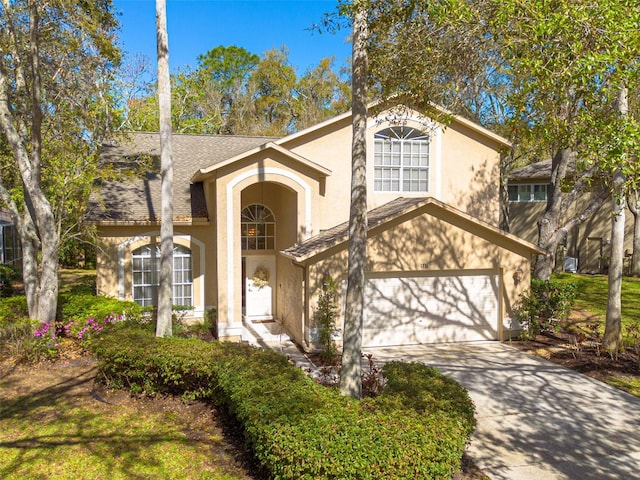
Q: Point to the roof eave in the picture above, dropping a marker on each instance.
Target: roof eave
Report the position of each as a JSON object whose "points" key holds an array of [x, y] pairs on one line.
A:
{"points": [[203, 173]]}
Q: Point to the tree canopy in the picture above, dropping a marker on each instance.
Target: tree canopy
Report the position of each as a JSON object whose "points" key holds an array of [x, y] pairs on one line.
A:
{"points": [[235, 92], [55, 69]]}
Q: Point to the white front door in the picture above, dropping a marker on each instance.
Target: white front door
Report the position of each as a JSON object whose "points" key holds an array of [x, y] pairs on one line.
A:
{"points": [[259, 287]]}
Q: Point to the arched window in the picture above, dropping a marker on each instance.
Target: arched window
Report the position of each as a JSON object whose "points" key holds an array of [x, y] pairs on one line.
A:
{"points": [[401, 160], [258, 228], [146, 274]]}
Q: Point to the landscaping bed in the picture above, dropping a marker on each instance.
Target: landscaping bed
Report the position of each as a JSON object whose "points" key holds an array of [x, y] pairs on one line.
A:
{"points": [[577, 347], [296, 428]]}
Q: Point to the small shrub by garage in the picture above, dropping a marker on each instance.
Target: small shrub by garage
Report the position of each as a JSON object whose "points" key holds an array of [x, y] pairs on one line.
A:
{"points": [[297, 428]]}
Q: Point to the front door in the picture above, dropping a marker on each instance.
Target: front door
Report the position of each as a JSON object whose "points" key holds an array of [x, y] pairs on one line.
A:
{"points": [[259, 287]]}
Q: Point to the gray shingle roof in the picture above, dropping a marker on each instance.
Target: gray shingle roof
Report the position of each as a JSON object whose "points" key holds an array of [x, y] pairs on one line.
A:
{"points": [[138, 199], [535, 171], [340, 233]]}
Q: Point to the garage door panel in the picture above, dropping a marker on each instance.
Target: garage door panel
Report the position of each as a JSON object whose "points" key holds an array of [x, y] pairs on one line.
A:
{"points": [[412, 310]]}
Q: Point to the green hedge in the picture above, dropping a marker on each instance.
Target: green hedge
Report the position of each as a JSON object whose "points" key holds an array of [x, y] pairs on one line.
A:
{"points": [[81, 306], [297, 428]]}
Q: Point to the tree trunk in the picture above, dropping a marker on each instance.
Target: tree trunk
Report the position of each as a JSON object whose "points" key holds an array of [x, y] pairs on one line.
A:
{"points": [[350, 374], [613, 327], [165, 290], [37, 223], [550, 220], [544, 263], [633, 201]]}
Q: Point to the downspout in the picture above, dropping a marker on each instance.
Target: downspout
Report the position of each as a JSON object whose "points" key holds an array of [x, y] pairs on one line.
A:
{"points": [[306, 326]]}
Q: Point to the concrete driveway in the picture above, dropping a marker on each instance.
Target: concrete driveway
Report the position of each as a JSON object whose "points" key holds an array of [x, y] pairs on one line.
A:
{"points": [[537, 420]]}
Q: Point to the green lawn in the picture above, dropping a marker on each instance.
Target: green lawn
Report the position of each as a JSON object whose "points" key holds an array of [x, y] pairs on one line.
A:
{"points": [[592, 295], [57, 430]]}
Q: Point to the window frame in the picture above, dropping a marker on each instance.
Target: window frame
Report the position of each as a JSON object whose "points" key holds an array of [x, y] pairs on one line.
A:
{"points": [[257, 228], [401, 160], [527, 192], [148, 259]]}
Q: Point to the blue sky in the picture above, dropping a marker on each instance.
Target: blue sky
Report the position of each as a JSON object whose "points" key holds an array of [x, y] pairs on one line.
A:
{"points": [[196, 26]]}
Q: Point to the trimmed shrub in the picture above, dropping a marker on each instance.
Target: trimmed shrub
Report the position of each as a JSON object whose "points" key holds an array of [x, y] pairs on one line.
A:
{"points": [[544, 306], [78, 308], [13, 308], [297, 428]]}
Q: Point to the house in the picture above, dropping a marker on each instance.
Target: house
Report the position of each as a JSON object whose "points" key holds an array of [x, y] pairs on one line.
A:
{"points": [[586, 247], [260, 222], [10, 247]]}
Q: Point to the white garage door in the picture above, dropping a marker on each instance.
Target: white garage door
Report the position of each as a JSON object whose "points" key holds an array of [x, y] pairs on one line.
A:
{"points": [[414, 310]]}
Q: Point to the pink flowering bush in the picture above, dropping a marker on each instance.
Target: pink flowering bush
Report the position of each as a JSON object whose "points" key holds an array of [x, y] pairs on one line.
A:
{"points": [[45, 338], [74, 329]]}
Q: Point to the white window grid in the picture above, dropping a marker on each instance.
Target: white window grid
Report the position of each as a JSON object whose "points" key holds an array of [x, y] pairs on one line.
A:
{"points": [[146, 274], [258, 228], [531, 192], [401, 160]]}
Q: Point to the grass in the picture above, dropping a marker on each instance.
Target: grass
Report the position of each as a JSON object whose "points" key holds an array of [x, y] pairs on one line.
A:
{"points": [[52, 427], [593, 291], [50, 434]]}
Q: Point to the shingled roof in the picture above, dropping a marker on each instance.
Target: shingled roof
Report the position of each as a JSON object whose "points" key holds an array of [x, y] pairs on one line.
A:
{"points": [[535, 171], [339, 235], [138, 199]]}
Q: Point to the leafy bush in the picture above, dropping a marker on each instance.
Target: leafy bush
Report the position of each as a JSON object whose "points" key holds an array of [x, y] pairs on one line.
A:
{"points": [[544, 305], [8, 275], [80, 307], [326, 316], [16, 336], [296, 428], [13, 308]]}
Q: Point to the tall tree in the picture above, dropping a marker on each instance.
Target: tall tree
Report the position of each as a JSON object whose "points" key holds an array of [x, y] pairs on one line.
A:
{"points": [[633, 201], [350, 373], [272, 85], [319, 94], [612, 339], [235, 92], [57, 58], [165, 288], [563, 61]]}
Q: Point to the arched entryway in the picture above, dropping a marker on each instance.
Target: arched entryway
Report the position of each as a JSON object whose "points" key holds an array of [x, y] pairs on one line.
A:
{"points": [[268, 224]]}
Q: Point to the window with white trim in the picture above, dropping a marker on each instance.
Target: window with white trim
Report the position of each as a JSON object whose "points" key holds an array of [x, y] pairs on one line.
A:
{"points": [[258, 228], [401, 160], [146, 275], [532, 192]]}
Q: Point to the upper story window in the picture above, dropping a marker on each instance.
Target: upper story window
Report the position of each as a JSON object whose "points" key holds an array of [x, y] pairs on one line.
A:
{"points": [[258, 228], [146, 275], [401, 160], [528, 193]]}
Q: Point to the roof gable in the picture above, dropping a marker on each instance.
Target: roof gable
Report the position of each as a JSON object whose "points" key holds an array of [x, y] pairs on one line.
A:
{"points": [[337, 237], [310, 131], [202, 173]]}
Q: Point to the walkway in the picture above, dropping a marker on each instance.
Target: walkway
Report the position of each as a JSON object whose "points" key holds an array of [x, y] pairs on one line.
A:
{"points": [[538, 420]]}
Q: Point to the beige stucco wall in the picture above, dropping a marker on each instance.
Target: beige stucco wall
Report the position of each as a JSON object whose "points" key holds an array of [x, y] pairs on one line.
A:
{"points": [[463, 170], [115, 247], [585, 242], [428, 245], [290, 189]]}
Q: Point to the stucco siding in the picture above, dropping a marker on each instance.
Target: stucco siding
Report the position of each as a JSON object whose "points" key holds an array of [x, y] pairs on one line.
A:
{"points": [[430, 246], [115, 247], [588, 242]]}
